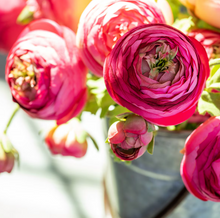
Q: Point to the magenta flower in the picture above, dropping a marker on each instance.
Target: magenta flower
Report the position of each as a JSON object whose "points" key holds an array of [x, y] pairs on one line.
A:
{"points": [[210, 41], [104, 22], [200, 165], [158, 73], [9, 29], [45, 73], [129, 139]]}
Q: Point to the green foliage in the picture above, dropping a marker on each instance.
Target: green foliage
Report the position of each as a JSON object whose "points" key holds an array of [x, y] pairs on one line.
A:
{"points": [[150, 147], [26, 16], [210, 98], [184, 24]]}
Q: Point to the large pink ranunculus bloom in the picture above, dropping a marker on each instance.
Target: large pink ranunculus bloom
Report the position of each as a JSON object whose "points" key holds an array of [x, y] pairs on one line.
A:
{"points": [[45, 73], [104, 22], [157, 72], [200, 164], [9, 29], [129, 139], [210, 41], [64, 12], [62, 140]]}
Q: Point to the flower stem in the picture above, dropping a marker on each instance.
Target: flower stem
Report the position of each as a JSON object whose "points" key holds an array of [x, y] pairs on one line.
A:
{"points": [[214, 62], [11, 118]]}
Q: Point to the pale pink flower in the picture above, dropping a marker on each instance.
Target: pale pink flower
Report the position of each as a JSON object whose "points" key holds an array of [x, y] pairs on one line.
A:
{"points": [[104, 22]]}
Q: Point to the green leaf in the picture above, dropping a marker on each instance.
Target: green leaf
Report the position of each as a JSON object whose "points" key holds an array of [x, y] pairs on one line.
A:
{"points": [[184, 24], [123, 116], [150, 147], [107, 141], [26, 16], [203, 25], [151, 127], [117, 110], [209, 102], [81, 136]]}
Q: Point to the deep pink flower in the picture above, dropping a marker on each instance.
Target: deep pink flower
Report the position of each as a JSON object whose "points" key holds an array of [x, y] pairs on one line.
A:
{"points": [[104, 22], [64, 12], [157, 72], [200, 164], [210, 41], [9, 29], [129, 139], [63, 140], [45, 73]]}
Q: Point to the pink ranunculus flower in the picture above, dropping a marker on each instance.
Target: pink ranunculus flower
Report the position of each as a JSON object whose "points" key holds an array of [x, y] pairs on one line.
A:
{"points": [[64, 12], [200, 165], [63, 139], [210, 41], [9, 29], [45, 73], [129, 139], [104, 22], [158, 73]]}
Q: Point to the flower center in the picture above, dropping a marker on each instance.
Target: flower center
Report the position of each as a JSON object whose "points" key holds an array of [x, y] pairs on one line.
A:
{"points": [[23, 77], [160, 60]]}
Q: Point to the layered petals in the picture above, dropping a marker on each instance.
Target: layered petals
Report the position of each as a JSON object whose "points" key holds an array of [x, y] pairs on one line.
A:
{"points": [[129, 139], [104, 22], [45, 73], [200, 164], [158, 73], [62, 140]]}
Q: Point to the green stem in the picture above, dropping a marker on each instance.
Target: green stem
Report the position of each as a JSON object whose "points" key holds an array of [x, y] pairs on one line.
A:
{"points": [[11, 118], [214, 62], [94, 141]]}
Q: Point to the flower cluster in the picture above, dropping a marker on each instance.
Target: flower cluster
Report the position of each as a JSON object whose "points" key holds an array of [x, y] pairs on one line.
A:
{"points": [[143, 72]]}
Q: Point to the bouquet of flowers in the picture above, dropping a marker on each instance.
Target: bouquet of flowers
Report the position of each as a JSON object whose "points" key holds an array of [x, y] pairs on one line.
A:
{"points": [[144, 65]]}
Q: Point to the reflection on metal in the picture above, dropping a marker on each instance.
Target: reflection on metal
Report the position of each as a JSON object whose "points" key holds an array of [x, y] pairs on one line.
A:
{"points": [[152, 174]]}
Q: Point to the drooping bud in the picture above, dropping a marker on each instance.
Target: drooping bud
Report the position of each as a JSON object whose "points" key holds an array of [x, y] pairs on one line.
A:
{"points": [[68, 139], [129, 139]]}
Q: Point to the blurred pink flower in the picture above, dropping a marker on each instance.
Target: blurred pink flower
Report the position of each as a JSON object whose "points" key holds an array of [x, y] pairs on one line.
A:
{"points": [[158, 73], [210, 41], [104, 22], [9, 29], [63, 140], [200, 165], [64, 12], [129, 139], [45, 73]]}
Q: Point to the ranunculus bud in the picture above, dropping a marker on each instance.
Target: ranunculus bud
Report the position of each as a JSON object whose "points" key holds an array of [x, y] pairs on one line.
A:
{"points": [[157, 72], [64, 12], [9, 29], [200, 165], [45, 73], [103, 22], [7, 157], [129, 139], [68, 139], [210, 41]]}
